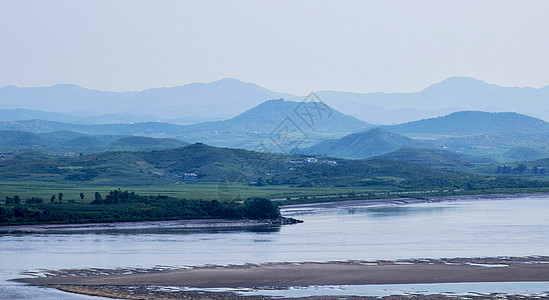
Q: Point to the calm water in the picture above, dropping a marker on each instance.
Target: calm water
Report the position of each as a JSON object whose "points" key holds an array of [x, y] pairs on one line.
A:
{"points": [[504, 227]]}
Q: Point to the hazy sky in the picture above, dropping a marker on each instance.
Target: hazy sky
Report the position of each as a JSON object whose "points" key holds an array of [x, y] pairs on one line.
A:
{"points": [[287, 46]]}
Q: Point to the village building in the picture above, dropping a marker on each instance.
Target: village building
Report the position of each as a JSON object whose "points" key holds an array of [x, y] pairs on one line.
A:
{"points": [[190, 176]]}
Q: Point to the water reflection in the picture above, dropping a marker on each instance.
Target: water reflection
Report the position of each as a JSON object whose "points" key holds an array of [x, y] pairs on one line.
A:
{"points": [[400, 211], [377, 211], [154, 231], [184, 231]]}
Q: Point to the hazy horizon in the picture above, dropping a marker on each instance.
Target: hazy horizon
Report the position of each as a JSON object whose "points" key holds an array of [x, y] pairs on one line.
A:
{"points": [[251, 82], [295, 47]]}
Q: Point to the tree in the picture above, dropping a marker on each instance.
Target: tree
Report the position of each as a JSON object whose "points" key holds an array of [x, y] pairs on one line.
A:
{"points": [[52, 199], [82, 196], [60, 197], [98, 199], [3, 217], [16, 199], [35, 200], [521, 168], [260, 182], [19, 212]]}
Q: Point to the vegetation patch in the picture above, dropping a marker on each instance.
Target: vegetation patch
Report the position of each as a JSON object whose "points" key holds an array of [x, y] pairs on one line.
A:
{"points": [[124, 206]]}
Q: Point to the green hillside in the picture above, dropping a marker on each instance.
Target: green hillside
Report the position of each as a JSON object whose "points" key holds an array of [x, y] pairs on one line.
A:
{"points": [[11, 139], [72, 143], [485, 148], [501, 146], [440, 159], [526, 153], [212, 164], [141, 143], [138, 168], [494, 136], [153, 129], [472, 123], [365, 144]]}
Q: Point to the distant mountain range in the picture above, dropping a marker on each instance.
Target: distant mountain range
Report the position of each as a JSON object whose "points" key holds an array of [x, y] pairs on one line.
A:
{"points": [[262, 124], [494, 136], [226, 98], [283, 125], [191, 103], [499, 136], [451, 95], [255, 126], [19, 114]]}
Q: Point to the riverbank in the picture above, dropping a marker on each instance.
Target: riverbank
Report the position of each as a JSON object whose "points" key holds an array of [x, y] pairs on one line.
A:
{"points": [[402, 201], [146, 225], [406, 195], [285, 275]]}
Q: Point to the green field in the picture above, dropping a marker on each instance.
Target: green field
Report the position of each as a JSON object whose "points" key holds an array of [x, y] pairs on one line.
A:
{"points": [[202, 190], [216, 191]]}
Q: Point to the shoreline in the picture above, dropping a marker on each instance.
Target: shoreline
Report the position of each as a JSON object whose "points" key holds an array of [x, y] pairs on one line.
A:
{"points": [[244, 224], [144, 225], [412, 200]]}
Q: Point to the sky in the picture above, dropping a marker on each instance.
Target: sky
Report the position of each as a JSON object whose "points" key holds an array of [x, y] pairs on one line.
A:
{"points": [[286, 46]]}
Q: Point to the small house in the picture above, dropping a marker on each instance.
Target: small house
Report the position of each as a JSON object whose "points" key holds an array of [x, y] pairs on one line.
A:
{"points": [[190, 176]]}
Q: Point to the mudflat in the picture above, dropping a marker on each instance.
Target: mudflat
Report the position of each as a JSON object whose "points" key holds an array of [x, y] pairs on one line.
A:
{"points": [[310, 273]]}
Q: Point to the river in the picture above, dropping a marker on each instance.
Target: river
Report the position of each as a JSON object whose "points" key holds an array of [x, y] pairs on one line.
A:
{"points": [[463, 228]]}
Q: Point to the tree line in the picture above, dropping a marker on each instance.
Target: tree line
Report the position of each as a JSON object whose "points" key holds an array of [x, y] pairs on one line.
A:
{"points": [[124, 206]]}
